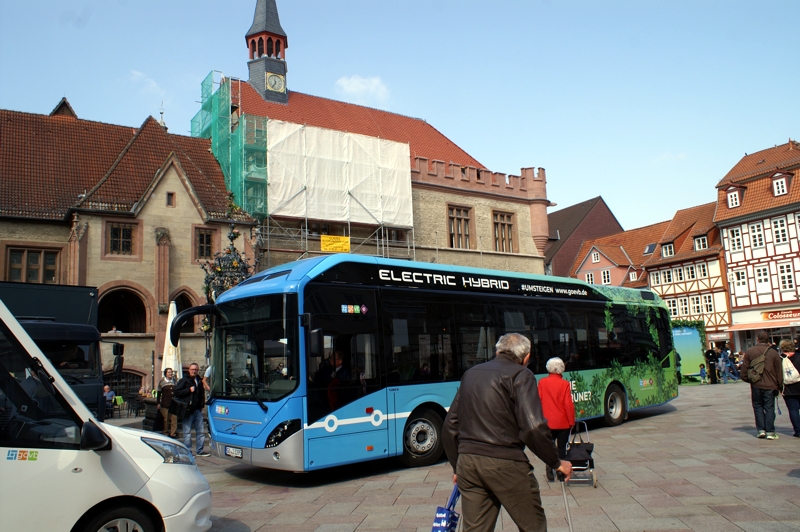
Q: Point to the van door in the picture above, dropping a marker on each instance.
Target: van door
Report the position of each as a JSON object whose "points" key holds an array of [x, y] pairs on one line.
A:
{"points": [[41, 461]]}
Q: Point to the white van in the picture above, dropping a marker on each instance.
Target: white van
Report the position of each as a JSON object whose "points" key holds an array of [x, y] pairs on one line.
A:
{"points": [[61, 469]]}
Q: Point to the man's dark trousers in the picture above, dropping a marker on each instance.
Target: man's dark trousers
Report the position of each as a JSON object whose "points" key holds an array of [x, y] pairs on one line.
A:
{"points": [[487, 483], [763, 408]]}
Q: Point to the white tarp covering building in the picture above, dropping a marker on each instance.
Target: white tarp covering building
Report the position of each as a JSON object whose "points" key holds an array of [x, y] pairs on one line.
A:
{"points": [[323, 174]]}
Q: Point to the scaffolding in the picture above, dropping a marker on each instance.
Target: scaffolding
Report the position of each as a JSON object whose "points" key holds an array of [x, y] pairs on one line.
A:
{"points": [[239, 143]]}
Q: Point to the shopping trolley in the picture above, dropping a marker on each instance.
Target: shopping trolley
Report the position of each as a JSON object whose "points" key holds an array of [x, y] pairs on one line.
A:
{"points": [[579, 454]]}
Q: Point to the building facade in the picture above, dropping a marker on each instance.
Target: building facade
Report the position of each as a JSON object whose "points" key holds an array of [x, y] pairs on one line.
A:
{"points": [[381, 183], [132, 211], [687, 269], [757, 209], [618, 259], [571, 227]]}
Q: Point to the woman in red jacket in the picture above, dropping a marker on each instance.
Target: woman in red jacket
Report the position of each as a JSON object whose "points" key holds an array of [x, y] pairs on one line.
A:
{"points": [[557, 406]]}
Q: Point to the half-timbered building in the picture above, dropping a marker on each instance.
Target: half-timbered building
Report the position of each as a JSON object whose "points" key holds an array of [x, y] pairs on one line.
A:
{"points": [[757, 211], [687, 270]]}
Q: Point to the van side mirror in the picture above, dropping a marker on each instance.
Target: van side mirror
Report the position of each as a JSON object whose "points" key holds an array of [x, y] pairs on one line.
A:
{"points": [[316, 343], [92, 438]]}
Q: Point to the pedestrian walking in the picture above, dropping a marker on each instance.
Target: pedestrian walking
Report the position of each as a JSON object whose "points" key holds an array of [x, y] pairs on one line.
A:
{"points": [[495, 414], [762, 369], [791, 392], [556, 396], [190, 389], [723, 363], [166, 389]]}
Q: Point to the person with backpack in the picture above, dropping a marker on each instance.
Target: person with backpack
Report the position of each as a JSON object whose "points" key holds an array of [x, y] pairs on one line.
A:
{"points": [[762, 368], [791, 383]]}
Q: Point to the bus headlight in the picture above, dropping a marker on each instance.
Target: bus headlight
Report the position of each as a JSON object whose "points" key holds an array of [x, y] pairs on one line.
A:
{"points": [[172, 452], [281, 432]]}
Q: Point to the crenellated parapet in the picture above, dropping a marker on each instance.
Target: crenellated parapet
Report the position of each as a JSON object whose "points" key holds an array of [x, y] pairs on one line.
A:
{"points": [[531, 184]]}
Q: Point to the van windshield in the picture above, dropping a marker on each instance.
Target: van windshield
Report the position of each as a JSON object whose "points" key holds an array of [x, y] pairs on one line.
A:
{"points": [[33, 415]]}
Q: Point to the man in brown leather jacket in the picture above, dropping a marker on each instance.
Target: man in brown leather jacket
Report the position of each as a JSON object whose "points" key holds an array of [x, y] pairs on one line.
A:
{"points": [[764, 391], [494, 415]]}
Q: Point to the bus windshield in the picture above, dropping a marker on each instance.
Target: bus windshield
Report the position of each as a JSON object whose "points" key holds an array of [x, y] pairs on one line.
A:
{"points": [[256, 348]]}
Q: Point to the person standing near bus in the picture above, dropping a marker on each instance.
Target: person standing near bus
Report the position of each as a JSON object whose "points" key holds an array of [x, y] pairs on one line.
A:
{"points": [[190, 389], [166, 387], [494, 415], [556, 396]]}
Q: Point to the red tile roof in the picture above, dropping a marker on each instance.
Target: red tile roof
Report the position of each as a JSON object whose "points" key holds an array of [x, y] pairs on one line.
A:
{"points": [[46, 162], [684, 226], [423, 139], [752, 174], [763, 162], [625, 248]]}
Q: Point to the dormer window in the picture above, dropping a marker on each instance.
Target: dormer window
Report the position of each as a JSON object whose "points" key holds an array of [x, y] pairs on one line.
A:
{"points": [[779, 186], [733, 199], [700, 242], [632, 276], [667, 250], [595, 257]]}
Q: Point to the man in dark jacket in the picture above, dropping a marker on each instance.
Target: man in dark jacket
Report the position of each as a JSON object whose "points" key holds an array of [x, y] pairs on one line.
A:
{"points": [[494, 415], [190, 389], [764, 391]]}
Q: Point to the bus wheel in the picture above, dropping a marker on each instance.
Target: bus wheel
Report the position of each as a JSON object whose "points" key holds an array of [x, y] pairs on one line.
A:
{"points": [[128, 518], [615, 407], [422, 439]]}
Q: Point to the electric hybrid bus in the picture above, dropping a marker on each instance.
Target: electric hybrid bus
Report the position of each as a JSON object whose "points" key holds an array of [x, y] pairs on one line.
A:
{"points": [[346, 358]]}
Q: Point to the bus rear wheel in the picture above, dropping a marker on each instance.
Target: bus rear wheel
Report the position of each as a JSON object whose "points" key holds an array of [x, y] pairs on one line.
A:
{"points": [[615, 407], [422, 439]]}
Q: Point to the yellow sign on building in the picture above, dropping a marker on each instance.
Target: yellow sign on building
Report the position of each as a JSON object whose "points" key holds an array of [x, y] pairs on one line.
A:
{"points": [[334, 244]]}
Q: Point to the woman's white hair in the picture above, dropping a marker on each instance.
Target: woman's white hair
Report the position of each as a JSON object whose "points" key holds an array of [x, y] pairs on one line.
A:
{"points": [[555, 365]]}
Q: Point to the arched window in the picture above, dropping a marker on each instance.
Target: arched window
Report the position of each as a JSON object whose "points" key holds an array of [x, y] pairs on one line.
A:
{"points": [[182, 302], [123, 309], [252, 49], [126, 385], [277, 47], [269, 47], [260, 47]]}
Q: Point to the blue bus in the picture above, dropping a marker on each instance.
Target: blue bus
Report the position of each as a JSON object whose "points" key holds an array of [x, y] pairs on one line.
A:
{"points": [[346, 358]]}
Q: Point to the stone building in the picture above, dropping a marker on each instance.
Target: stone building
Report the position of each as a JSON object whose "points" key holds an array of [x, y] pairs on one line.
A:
{"points": [[383, 183], [132, 211]]}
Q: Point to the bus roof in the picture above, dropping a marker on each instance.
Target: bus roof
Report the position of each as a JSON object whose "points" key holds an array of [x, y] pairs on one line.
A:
{"points": [[291, 277]]}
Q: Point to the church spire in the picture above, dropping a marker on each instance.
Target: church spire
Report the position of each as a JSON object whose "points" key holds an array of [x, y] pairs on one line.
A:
{"points": [[266, 45]]}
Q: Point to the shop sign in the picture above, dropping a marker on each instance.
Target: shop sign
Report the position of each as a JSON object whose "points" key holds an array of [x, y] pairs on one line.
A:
{"points": [[780, 314], [718, 336]]}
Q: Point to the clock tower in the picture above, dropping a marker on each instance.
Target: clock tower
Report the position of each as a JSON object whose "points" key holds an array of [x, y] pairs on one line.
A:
{"points": [[267, 44]]}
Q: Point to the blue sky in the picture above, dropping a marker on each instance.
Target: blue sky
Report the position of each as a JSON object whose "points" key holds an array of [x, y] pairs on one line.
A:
{"points": [[645, 103]]}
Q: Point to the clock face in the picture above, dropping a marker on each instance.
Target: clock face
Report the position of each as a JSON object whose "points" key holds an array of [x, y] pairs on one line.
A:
{"points": [[275, 82]]}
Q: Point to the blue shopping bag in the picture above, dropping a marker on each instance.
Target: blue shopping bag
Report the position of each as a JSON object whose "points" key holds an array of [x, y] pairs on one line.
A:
{"points": [[446, 519]]}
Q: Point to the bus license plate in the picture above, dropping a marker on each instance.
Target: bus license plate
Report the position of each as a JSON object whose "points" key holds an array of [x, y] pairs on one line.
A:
{"points": [[233, 452]]}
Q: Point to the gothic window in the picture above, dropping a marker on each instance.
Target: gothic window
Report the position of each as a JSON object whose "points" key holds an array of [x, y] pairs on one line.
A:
{"points": [[269, 47], [459, 222], [260, 46], [277, 47]]}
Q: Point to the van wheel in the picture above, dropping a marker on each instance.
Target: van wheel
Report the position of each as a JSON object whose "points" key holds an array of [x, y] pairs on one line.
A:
{"points": [[615, 407], [124, 519], [422, 439]]}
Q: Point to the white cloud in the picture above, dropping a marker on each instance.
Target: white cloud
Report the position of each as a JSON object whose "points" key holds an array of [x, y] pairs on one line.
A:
{"points": [[363, 91], [147, 84]]}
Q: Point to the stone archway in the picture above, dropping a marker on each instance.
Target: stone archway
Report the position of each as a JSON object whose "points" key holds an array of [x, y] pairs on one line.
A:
{"points": [[123, 309]]}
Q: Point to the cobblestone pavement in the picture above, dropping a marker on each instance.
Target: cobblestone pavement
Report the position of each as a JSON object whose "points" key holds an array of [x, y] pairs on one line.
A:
{"points": [[694, 464]]}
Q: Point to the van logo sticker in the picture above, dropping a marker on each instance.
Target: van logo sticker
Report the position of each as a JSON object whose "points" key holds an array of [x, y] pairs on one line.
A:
{"points": [[354, 309], [222, 410], [21, 454]]}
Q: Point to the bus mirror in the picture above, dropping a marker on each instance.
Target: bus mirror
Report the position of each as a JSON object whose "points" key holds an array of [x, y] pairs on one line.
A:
{"points": [[117, 349], [316, 341]]}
